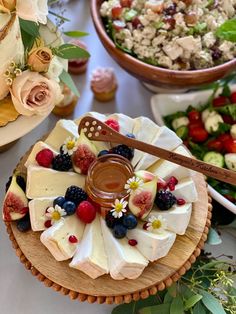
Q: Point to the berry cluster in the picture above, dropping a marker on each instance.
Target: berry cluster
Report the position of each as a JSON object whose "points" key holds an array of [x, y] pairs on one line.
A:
{"points": [[120, 226], [61, 162]]}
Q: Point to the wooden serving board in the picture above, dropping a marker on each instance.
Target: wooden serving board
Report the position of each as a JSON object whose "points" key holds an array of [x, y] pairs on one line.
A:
{"points": [[157, 276]]}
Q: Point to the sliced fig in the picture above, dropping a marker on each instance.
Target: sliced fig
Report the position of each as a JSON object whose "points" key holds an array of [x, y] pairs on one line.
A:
{"points": [[84, 155], [15, 205], [141, 200]]}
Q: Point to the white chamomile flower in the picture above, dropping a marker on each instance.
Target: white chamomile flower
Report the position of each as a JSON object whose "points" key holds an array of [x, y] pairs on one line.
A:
{"points": [[70, 146], [156, 224], [119, 208], [55, 213], [133, 184]]}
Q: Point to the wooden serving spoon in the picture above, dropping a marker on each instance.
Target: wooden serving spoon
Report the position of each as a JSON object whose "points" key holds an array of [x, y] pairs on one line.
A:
{"points": [[96, 130]]}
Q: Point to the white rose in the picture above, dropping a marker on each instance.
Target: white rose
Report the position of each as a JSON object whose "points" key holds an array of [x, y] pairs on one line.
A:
{"points": [[55, 69], [32, 10], [32, 93]]}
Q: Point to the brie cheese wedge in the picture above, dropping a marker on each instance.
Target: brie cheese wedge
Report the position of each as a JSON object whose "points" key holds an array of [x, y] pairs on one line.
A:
{"points": [[177, 217], [90, 256], [36, 149], [186, 190], [152, 245], [124, 261], [44, 182], [166, 139], [144, 130], [56, 238], [165, 169], [37, 211], [62, 130]]}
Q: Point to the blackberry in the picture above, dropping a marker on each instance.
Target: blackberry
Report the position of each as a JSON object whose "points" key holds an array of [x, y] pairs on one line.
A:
{"points": [[75, 195], [123, 150], [20, 181], [165, 200], [111, 221], [62, 162]]}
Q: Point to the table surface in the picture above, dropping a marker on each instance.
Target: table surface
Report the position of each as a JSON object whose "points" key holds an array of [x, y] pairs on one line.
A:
{"points": [[21, 293]]}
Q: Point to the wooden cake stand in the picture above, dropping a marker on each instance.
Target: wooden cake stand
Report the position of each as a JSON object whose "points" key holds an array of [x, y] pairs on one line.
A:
{"points": [[156, 276]]}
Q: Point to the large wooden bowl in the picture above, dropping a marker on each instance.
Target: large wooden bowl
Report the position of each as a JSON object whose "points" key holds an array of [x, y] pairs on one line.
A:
{"points": [[153, 75], [156, 276]]}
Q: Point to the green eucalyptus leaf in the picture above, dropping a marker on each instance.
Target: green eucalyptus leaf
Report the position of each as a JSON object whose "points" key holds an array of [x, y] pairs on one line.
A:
{"points": [[69, 51], [168, 298], [29, 27], [192, 301], [75, 34], [124, 309], [177, 306], [28, 40], [199, 309], [156, 309], [211, 303], [66, 79], [213, 238], [227, 30], [172, 290]]}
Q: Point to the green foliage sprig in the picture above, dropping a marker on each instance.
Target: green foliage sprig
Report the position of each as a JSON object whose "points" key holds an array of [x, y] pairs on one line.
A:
{"points": [[206, 288]]}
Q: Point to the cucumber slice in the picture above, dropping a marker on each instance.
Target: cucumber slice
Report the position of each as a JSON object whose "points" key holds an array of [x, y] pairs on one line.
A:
{"points": [[182, 132], [129, 15], [214, 158]]}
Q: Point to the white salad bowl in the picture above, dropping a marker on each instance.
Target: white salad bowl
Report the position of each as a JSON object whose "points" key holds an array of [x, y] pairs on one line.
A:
{"points": [[165, 104]]}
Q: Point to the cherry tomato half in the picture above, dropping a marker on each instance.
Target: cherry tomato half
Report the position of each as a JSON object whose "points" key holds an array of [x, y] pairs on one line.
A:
{"points": [[194, 115], [198, 134], [220, 101], [230, 145], [215, 145], [233, 98]]}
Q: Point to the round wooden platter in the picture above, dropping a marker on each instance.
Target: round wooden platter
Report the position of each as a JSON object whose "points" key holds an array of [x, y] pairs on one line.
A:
{"points": [[156, 276]]}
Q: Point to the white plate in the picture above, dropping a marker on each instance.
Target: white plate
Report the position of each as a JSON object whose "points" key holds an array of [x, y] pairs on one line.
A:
{"points": [[164, 104]]}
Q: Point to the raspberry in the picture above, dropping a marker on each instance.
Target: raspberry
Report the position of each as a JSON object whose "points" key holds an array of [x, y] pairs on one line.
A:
{"points": [[132, 242], [123, 150], [83, 157], [75, 194], [44, 157], [165, 200], [112, 123], [86, 212], [73, 239], [62, 162]]}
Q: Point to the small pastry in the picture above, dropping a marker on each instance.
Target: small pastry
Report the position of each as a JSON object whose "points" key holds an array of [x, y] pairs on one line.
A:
{"points": [[67, 105], [103, 84], [78, 66]]}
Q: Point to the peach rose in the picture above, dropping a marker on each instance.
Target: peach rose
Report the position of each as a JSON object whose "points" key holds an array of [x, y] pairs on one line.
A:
{"points": [[32, 93], [9, 5], [39, 59]]}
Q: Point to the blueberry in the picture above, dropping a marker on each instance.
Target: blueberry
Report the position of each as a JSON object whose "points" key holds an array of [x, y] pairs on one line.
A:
{"points": [[119, 231], [59, 201], [103, 152], [130, 135], [23, 224], [130, 221], [69, 207]]}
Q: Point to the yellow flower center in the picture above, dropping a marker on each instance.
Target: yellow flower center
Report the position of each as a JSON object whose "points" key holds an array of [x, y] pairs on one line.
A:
{"points": [[156, 224], [119, 208], [70, 145], [134, 185], [56, 216]]}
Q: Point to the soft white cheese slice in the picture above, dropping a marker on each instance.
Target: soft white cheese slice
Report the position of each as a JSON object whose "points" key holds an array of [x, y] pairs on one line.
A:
{"points": [[144, 130], [37, 210], [124, 261], [36, 149], [62, 130], [152, 245], [102, 117], [56, 238], [44, 182], [90, 256], [186, 189], [166, 139], [177, 217], [165, 169]]}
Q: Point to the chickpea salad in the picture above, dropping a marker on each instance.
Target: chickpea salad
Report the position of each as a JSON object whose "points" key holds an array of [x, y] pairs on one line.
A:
{"points": [[178, 35], [209, 132]]}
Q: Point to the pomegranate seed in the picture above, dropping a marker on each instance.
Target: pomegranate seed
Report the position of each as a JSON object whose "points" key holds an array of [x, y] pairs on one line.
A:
{"points": [[161, 185], [48, 223], [180, 201], [145, 226], [171, 186], [116, 12], [73, 239], [136, 22], [173, 180], [132, 242]]}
